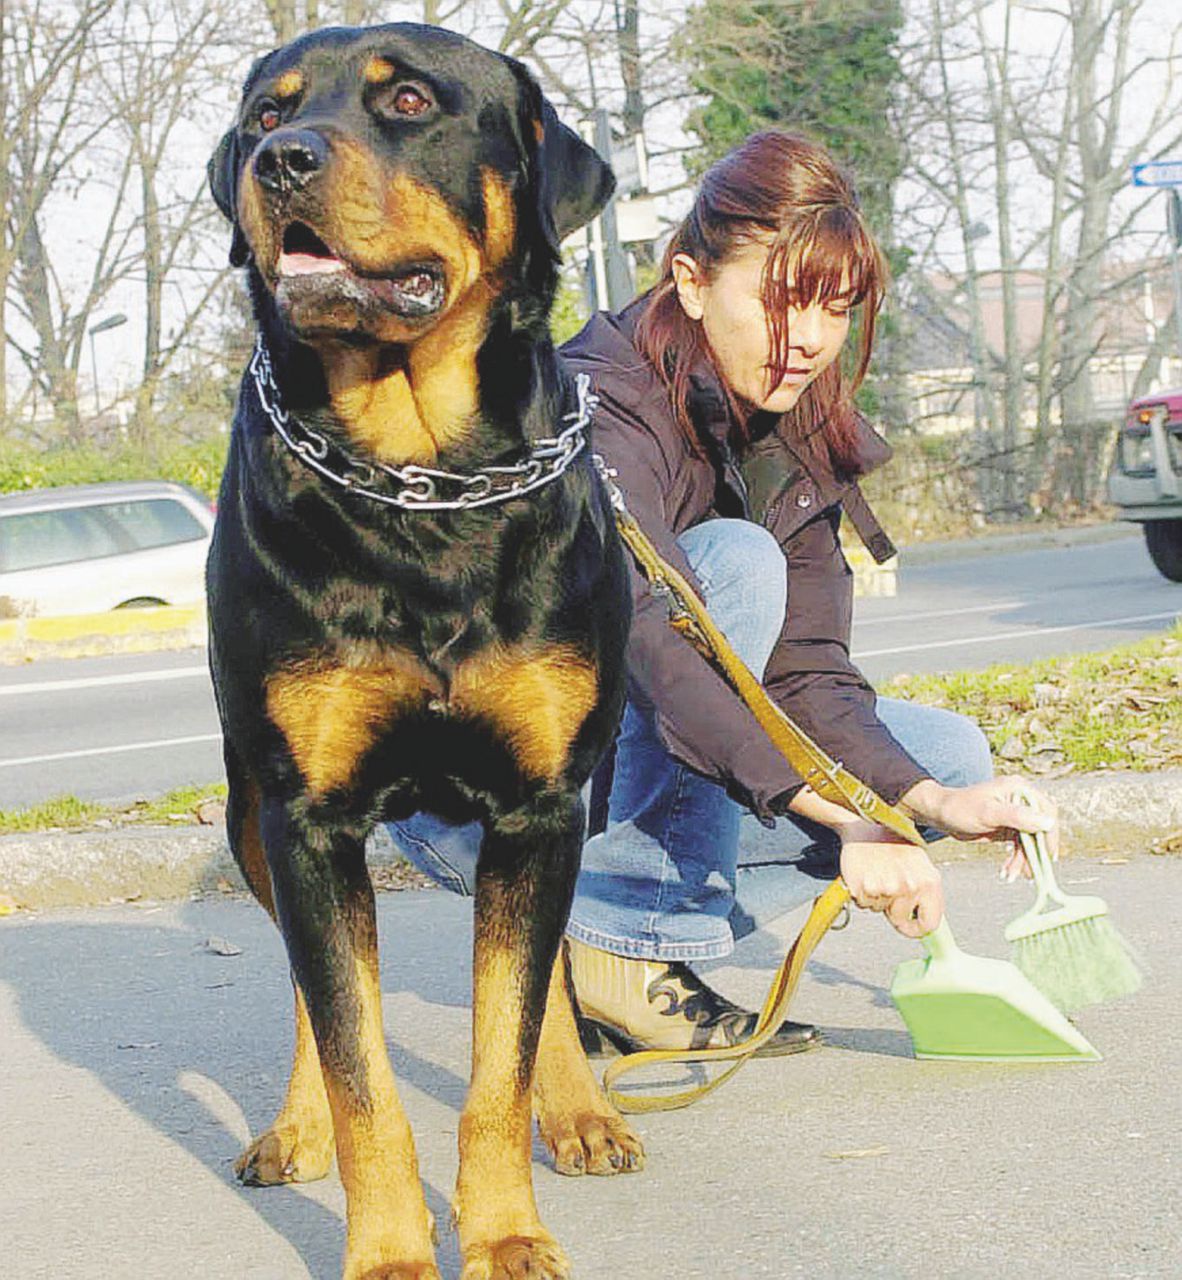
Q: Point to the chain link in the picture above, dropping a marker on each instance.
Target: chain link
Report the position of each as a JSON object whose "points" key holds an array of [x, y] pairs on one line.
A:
{"points": [[422, 488]]}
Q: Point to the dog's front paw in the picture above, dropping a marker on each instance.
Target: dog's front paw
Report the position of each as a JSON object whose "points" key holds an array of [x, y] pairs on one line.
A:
{"points": [[285, 1153], [593, 1140], [532, 1257]]}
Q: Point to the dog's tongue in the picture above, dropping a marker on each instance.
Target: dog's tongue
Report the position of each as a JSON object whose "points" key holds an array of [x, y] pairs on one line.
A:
{"points": [[307, 264], [305, 254]]}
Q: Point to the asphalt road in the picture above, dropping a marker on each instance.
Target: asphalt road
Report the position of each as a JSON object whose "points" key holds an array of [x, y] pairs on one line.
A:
{"points": [[118, 728], [136, 1061]]}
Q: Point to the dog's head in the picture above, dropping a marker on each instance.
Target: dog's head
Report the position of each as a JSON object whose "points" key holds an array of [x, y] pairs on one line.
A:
{"points": [[374, 176]]}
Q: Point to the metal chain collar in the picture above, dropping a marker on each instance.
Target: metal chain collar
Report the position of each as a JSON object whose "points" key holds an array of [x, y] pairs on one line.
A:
{"points": [[424, 488]]}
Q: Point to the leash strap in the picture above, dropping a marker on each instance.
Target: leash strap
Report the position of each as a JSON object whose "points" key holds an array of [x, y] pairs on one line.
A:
{"points": [[826, 776]]}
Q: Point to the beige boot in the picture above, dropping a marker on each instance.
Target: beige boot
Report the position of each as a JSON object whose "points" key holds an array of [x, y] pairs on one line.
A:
{"points": [[663, 1004]]}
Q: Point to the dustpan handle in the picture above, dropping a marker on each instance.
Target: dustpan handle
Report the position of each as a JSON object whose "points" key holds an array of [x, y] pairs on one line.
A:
{"points": [[940, 944]]}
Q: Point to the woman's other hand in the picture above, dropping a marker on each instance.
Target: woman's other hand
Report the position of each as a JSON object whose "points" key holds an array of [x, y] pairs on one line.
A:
{"points": [[884, 873], [992, 810]]}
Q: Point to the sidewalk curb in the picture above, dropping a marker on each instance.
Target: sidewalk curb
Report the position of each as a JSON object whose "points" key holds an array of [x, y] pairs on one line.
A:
{"points": [[1101, 814], [1037, 539], [90, 635], [49, 869]]}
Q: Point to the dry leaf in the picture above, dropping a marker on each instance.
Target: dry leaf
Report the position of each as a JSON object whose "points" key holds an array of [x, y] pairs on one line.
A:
{"points": [[7, 905], [220, 947], [858, 1153], [1168, 844]]}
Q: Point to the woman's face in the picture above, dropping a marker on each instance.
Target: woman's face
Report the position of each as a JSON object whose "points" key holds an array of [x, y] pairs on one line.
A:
{"points": [[730, 308]]}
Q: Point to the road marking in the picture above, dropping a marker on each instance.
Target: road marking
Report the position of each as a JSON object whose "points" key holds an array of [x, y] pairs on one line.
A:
{"points": [[1028, 633], [110, 751], [874, 621], [95, 682]]}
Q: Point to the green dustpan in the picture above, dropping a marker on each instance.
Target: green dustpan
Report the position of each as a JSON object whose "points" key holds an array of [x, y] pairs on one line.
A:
{"points": [[973, 1008]]}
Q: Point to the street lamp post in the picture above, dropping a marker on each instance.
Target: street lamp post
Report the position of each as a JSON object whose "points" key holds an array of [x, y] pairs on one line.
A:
{"points": [[111, 322]]}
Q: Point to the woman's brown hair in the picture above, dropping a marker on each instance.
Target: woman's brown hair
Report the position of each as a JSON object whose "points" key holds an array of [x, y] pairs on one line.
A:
{"points": [[782, 190]]}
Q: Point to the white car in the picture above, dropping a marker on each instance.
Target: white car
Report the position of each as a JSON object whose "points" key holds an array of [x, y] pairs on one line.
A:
{"points": [[93, 547]]}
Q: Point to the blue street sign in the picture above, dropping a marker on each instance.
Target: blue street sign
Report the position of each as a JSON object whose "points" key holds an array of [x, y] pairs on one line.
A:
{"points": [[1158, 173]]}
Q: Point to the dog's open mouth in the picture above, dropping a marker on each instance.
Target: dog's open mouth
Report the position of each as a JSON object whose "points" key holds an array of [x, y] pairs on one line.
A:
{"points": [[305, 254], [307, 265]]}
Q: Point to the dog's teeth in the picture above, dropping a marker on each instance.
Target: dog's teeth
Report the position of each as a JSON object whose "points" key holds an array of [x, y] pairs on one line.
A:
{"points": [[420, 284]]}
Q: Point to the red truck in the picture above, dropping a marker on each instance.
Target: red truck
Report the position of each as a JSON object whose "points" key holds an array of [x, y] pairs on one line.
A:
{"points": [[1145, 480]]}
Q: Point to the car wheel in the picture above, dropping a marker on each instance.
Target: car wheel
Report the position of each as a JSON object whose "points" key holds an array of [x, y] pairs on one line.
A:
{"points": [[1164, 540], [142, 602]]}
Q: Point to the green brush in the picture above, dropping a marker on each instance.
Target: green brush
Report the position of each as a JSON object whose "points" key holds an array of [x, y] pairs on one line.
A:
{"points": [[1070, 950], [973, 1008]]}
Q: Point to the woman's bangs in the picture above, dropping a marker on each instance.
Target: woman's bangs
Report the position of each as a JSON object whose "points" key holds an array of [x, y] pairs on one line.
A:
{"points": [[829, 258]]}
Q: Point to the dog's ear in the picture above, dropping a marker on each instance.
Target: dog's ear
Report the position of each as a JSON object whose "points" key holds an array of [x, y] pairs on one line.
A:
{"points": [[571, 182], [223, 183]]}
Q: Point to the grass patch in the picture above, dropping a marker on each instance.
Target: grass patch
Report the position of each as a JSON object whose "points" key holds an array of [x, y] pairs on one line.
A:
{"points": [[184, 806], [1120, 709]]}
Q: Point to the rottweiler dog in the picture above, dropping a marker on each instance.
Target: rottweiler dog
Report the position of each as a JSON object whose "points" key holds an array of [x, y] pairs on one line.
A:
{"points": [[417, 601]]}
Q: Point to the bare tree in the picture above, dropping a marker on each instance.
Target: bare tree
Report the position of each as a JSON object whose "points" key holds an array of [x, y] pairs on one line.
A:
{"points": [[165, 54], [42, 51], [1030, 141]]}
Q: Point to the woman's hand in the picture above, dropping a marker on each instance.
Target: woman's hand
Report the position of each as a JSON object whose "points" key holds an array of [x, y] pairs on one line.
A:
{"points": [[993, 810], [884, 873]]}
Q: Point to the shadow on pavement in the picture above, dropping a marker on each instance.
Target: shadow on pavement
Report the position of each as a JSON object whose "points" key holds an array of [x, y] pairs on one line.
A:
{"points": [[198, 1043]]}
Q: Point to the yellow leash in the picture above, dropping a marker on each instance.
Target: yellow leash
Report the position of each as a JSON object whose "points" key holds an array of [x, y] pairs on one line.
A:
{"points": [[826, 776]]}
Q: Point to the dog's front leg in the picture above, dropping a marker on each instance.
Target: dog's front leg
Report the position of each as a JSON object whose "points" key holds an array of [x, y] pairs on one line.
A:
{"points": [[324, 901], [525, 880], [584, 1132]]}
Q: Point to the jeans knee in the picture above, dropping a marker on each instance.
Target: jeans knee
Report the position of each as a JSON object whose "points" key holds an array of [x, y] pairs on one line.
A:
{"points": [[969, 757], [744, 576]]}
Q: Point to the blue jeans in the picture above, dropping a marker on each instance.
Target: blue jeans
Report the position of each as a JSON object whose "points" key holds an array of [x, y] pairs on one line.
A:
{"points": [[682, 871]]}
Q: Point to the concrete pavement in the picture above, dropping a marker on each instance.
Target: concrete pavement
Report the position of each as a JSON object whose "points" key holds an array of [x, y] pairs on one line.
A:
{"points": [[137, 1056]]}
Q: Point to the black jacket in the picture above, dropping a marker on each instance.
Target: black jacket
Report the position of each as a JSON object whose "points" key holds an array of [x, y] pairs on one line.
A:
{"points": [[668, 489]]}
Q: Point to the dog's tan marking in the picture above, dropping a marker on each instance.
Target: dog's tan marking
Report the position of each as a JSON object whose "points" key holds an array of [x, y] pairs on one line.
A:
{"points": [[424, 406], [332, 713], [494, 1204], [254, 220], [379, 71], [387, 1218], [288, 85], [584, 1132], [251, 855], [298, 1145], [538, 700], [380, 220], [539, 132], [500, 223]]}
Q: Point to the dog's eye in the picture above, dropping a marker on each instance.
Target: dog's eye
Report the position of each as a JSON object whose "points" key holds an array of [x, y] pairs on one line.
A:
{"points": [[409, 100], [269, 117]]}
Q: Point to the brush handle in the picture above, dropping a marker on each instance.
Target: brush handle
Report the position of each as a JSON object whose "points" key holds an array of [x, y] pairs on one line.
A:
{"points": [[1034, 845]]}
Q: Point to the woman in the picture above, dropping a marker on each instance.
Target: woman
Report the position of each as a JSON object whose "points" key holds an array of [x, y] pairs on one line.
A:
{"points": [[725, 412]]}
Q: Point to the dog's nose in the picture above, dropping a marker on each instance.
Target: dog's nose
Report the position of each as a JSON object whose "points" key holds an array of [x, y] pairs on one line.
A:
{"points": [[290, 160]]}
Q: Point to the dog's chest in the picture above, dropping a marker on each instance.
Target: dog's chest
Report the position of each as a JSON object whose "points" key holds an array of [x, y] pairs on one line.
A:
{"points": [[336, 707]]}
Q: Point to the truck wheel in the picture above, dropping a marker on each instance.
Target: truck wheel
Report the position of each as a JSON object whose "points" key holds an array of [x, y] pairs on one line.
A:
{"points": [[1164, 540]]}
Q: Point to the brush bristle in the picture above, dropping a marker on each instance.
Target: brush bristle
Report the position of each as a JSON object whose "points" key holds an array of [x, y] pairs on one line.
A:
{"points": [[1079, 964]]}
